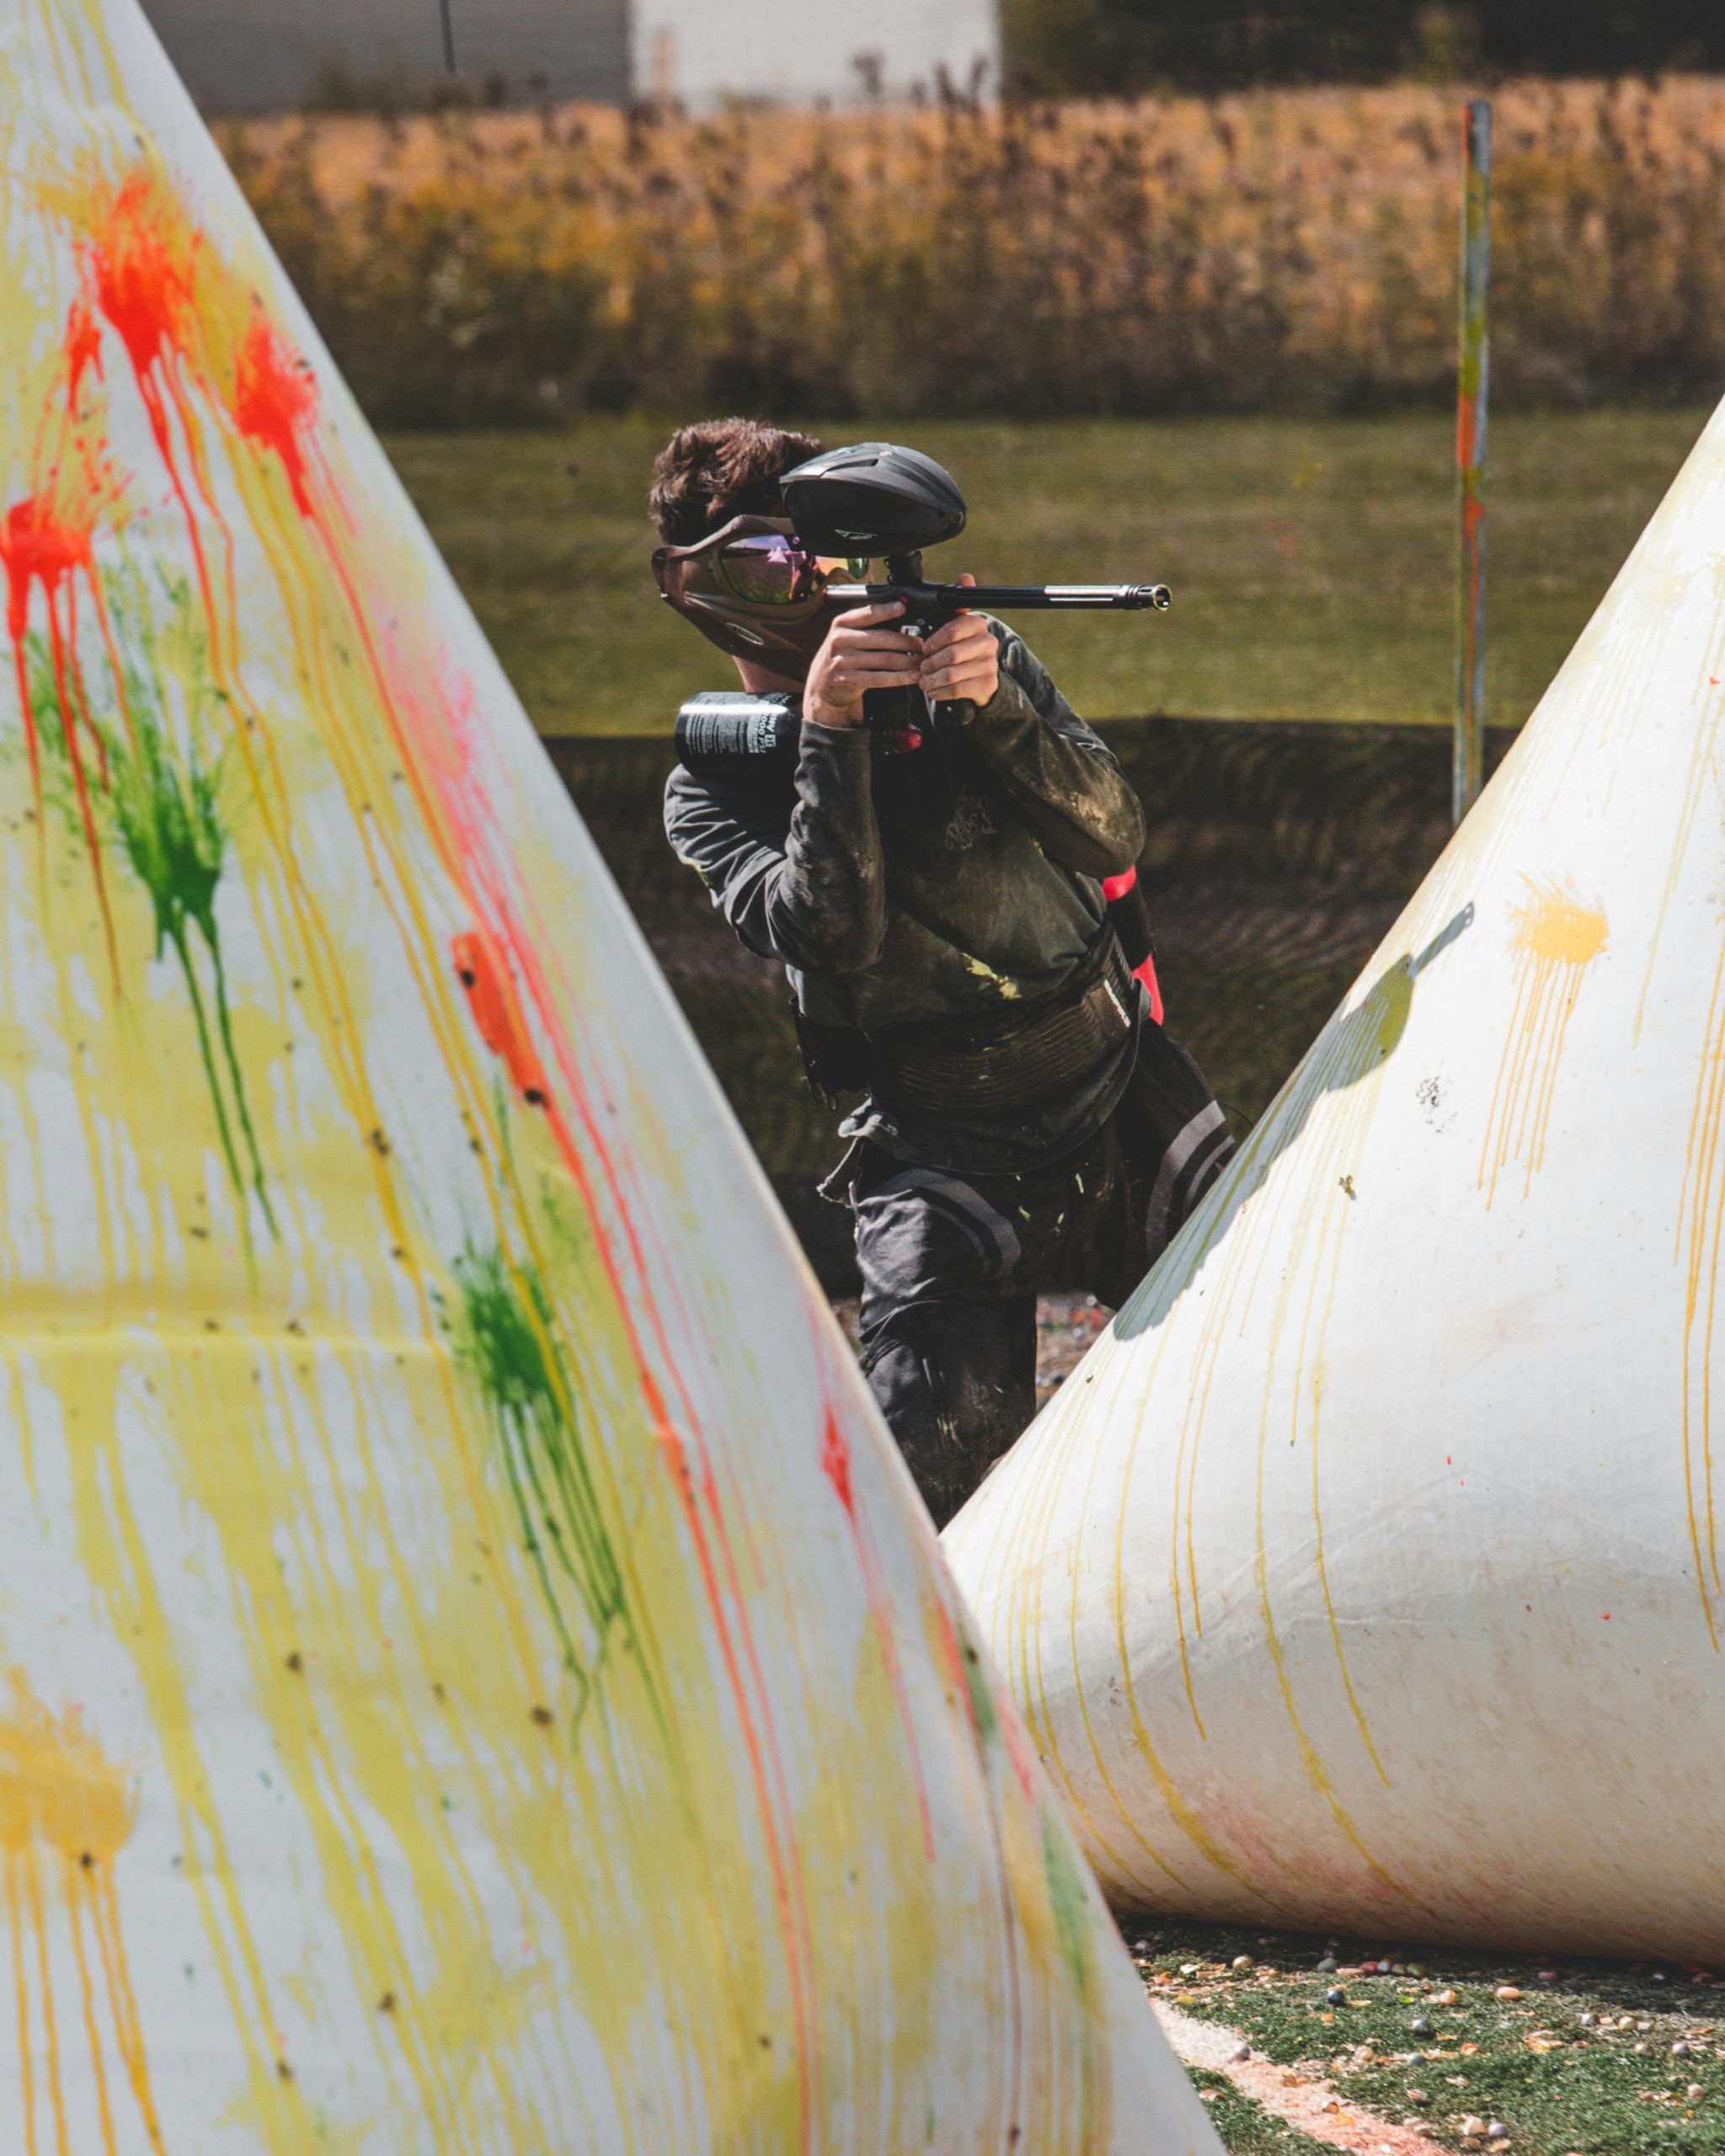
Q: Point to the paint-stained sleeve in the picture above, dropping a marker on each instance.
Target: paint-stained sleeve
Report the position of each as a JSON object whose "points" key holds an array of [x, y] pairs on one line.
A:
{"points": [[810, 891], [1068, 786]]}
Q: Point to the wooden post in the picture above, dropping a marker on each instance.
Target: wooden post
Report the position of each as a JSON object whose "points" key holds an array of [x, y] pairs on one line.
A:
{"points": [[446, 22], [1472, 386]]}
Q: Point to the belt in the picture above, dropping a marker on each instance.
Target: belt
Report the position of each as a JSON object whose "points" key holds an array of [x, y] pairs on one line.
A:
{"points": [[1012, 1061]]}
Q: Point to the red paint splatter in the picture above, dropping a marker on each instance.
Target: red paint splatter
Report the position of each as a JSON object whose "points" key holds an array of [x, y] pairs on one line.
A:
{"points": [[83, 350], [275, 402], [42, 542], [483, 970], [140, 268], [836, 1464], [144, 287]]}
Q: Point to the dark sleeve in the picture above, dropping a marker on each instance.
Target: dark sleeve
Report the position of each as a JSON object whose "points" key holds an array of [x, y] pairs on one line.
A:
{"points": [[1063, 776], [813, 894]]}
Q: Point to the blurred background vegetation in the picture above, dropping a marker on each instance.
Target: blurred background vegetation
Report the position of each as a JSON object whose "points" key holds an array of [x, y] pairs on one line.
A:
{"points": [[1265, 250], [1101, 48]]}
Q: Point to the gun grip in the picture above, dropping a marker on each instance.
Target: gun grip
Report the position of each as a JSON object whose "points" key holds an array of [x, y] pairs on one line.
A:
{"points": [[895, 711]]}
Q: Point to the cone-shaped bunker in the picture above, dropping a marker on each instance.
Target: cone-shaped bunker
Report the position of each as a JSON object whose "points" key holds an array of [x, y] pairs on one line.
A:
{"points": [[1369, 1572], [473, 1676]]}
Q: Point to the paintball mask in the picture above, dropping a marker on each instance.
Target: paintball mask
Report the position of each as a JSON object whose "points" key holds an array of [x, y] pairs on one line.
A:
{"points": [[753, 589]]}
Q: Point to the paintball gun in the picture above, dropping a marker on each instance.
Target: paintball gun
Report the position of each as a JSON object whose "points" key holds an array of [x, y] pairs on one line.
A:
{"points": [[877, 500]]}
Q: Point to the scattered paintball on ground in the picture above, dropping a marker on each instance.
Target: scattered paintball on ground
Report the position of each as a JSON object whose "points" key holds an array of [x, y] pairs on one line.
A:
{"points": [[1067, 1326], [1530, 2054]]}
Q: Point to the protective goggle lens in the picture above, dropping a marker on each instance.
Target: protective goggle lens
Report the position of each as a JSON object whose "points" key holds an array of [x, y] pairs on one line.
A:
{"points": [[769, 569]]}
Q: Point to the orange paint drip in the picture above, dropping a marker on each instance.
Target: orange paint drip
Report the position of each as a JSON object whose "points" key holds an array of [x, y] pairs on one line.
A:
{"points": [[482, 969]]}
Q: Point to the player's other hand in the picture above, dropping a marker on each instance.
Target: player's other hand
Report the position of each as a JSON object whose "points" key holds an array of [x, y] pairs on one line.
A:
{"points": [[961, 661]]}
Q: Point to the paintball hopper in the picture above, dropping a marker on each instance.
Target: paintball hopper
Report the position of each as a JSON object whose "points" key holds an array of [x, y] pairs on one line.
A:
{"points": [[874, 498]]}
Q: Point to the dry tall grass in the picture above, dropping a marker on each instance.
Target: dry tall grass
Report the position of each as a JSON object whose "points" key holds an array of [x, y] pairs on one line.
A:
{"points": [[1289, 249]]}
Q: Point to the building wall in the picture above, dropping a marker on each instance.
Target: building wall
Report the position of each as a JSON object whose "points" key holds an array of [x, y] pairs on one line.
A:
{"points": [[263, 55], [799, 51], [259, 55]]}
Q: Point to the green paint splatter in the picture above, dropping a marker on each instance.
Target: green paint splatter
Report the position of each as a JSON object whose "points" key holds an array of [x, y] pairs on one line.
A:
{"points": [[504, 1334], [162, 804], [1074, 1915], [165, 810], [1070, 1905], [983, 1713]]}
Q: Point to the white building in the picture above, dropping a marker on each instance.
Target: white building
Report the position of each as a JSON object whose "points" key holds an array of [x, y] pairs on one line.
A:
{"points": [[797, 51], [255, 56]]}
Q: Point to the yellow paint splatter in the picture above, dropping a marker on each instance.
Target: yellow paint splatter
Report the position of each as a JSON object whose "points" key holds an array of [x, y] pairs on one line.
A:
{"points": [[1556, 940], [65, 1812]]}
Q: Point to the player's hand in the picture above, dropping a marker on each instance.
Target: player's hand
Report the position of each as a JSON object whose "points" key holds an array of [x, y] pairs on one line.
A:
{"points": [[862, 651], [961, 662]]}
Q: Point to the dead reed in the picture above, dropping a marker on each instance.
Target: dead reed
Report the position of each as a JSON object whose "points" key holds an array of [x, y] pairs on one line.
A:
{"points": [[1290, 249]]}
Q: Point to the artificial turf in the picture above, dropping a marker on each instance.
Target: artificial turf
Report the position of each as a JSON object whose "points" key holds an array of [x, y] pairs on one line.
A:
{"points": [[1311, 560]]}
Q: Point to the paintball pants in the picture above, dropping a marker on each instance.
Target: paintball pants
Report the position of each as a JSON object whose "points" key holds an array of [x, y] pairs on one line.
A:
{"points": [[952, 1265]]}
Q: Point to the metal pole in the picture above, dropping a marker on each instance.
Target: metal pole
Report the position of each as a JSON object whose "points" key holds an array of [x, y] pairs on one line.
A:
{"points": [[1472, 386], [447, 21]]}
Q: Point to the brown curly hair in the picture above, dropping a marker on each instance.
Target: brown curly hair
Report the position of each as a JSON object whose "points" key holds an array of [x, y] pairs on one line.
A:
{"points": [[709, 474]]}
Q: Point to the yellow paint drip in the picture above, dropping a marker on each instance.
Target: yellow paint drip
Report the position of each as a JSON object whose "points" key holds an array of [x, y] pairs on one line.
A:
{"points": [[65, 1812], [1556, 939]]}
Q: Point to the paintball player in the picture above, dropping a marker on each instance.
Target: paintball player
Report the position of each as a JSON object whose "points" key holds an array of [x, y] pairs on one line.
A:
{"points": [[938, 901]]}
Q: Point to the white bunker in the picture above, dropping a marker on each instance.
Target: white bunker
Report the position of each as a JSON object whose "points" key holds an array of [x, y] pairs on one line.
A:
{"points": [[1368, 1572], [475, 1677]]}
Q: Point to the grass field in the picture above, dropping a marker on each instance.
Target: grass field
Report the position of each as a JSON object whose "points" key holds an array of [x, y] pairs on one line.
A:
{"points": [[1311, 560], [1596, 2058]]}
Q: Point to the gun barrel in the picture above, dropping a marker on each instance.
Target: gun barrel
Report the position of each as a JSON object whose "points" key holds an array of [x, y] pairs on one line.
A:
{"points": [[1010, 598]]}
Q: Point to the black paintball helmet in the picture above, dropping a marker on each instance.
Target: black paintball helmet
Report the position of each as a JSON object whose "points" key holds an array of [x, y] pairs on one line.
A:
{"points": [[873, 498]]}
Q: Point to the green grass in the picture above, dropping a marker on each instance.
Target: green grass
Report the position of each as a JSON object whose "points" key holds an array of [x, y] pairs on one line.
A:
{"points": [[1581, 2088], [1311, 560]]}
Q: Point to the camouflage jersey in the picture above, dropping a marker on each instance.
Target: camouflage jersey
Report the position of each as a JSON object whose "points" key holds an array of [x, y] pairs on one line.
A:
{"points": [[959, 879]]}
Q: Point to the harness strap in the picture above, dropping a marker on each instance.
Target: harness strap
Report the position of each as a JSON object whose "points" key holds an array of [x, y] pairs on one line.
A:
{"points": [[1017, 1064]]}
